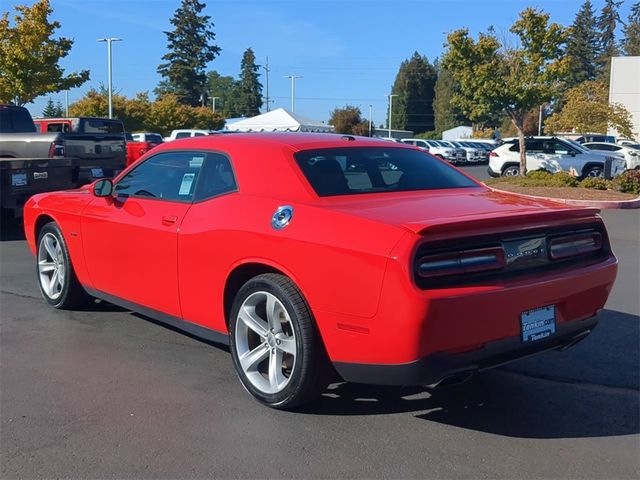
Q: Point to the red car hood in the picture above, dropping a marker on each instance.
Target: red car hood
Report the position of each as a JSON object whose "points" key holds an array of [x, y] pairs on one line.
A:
{"points": [[418, 211]]}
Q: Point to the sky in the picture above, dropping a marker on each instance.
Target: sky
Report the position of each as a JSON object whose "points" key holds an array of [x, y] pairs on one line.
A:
{"points": [[348, 52]]}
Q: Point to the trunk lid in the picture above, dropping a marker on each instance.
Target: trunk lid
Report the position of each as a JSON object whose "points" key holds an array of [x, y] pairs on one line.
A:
{"points": [[457, 209]]}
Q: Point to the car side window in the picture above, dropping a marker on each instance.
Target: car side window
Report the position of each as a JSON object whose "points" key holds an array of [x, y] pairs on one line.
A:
{"points": [[198, 134], [216, 178], [183, 135], [167, 176]]}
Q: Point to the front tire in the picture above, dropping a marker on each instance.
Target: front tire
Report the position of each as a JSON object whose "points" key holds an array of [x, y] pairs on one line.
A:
{"points": [[275, 346], [56, 278]]}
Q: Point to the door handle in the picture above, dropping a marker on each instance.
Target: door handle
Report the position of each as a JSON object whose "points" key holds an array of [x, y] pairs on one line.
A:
{"points": [[169, 219]]}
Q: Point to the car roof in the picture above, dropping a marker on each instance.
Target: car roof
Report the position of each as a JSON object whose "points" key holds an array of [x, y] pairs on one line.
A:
{"points": [[263, 162], [294, 140]]}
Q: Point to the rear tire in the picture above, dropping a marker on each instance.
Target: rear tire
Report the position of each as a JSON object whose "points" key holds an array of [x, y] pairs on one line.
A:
{"points": [[57, 280], [511, 171], [275, 345]]}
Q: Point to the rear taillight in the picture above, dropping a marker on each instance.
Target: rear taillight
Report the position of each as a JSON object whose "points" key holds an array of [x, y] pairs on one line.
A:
{"points": [[493, 154], [56, 149], [572, 245], [456, 263]]}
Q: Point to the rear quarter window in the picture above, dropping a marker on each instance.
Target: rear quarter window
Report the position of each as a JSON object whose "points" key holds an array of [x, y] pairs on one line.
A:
{"points": [[349, 171]]}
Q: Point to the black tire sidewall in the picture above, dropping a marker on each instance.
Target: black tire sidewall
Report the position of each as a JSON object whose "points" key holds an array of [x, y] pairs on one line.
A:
{"points": [[304, 344], [55, 230]]}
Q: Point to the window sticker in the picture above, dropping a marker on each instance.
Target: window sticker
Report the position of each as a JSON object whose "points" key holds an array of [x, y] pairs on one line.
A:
{"points": [[196, 162], [187, 181]]}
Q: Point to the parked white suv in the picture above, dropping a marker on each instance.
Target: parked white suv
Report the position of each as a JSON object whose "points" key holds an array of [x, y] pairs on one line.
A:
{"points": [[186, 133], [554, 155], [630, 152], [438, 149]]}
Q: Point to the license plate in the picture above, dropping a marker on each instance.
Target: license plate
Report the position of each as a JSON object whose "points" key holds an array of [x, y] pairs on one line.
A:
{"points": [[18, 179], [538, 324], [97, 173]]}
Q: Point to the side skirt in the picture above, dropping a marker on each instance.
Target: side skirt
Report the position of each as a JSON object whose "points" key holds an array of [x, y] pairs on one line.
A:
{"points": [[175, 322]]}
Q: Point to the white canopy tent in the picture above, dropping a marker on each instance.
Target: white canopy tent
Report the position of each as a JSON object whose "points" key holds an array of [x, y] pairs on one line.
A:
{"points": [[279, 120]]}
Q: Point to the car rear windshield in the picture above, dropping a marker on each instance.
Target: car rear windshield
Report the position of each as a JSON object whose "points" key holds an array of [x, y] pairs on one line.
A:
{"points": [[15, 120], [97, 125], [153, 138], [347, 171]]}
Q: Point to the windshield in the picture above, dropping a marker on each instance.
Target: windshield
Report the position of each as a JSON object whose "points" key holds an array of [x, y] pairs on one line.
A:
{"points": [[348, 171], [635, 146], [576, 145]]}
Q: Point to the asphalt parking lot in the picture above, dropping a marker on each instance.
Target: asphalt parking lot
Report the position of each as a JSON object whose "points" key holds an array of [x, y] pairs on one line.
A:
{"points": [[104, 393]]}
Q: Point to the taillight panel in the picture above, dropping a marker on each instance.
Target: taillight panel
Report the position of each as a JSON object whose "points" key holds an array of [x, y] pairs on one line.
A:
{"points": [[471, 260]]}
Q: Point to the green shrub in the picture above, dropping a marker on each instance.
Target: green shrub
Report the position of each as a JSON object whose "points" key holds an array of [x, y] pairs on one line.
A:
{"points": [[564, 179], [539, 175], [628, 182], [595, 183]]}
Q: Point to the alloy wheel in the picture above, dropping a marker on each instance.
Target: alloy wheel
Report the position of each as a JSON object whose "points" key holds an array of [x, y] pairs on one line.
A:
{"points": [[51, 266], [265, 342]]}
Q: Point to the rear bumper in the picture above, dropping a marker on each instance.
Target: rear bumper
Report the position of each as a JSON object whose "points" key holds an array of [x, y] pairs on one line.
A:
{"points": [[492, 173], [438, 366]]}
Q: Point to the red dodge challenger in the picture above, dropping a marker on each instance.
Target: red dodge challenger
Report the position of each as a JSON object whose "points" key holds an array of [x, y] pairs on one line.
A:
{"points": [[311, 254]]}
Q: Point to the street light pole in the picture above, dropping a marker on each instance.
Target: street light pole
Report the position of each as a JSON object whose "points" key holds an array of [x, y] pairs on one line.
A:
{"points": [[390, 110], [266, 71], [370, 107], [293, 91], [213, 103], [109, 41]]}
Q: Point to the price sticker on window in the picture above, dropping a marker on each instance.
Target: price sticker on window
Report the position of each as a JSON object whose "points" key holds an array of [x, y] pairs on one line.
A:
{"points": [[187, 182]]}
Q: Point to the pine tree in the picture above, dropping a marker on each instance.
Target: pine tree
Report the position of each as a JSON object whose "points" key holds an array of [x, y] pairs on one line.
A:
{"points": [[59, 109], [190, 49], [582, 47], [49, 110], [414, 86], [606, 25], [248, 88], [631, 41]]}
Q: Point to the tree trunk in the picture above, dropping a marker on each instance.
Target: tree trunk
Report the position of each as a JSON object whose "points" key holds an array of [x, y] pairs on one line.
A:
{"points": [[518, 122], [523, 153]]}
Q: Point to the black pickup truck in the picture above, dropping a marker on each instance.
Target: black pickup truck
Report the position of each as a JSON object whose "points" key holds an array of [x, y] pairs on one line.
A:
{"points": [[33, 161]]}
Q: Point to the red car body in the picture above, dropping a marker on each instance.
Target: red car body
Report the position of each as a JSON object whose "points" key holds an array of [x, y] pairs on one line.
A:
{"points": [[353, 257]]}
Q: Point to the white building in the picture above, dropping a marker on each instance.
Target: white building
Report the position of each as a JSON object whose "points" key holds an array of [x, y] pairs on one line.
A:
{"points": [[458, 132], [624, 88]]}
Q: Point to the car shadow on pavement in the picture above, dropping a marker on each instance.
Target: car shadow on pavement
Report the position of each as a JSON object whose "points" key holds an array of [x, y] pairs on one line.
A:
{"points": [[590, 390]]}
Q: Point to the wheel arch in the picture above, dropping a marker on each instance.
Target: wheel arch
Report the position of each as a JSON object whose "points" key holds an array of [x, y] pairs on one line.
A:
{"points": [[40, 222], [242, 272], [507, 165], [589, 165]]}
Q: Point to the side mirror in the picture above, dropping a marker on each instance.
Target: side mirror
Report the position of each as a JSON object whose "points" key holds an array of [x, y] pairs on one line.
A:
{"points": [[103, 188]]}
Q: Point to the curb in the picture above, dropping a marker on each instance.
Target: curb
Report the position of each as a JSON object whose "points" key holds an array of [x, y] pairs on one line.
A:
{"points": [[603, 204]]}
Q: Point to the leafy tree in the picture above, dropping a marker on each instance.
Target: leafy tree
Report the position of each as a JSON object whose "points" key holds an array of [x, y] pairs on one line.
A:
{"points": [[52, 110], [414, 85], [606, 25], [190, 49], [631, 41], [587, 110], [445, 116], [248, 88], [30, 56], [511, 80], [223, 88], [349, 121], [582, 47]]}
